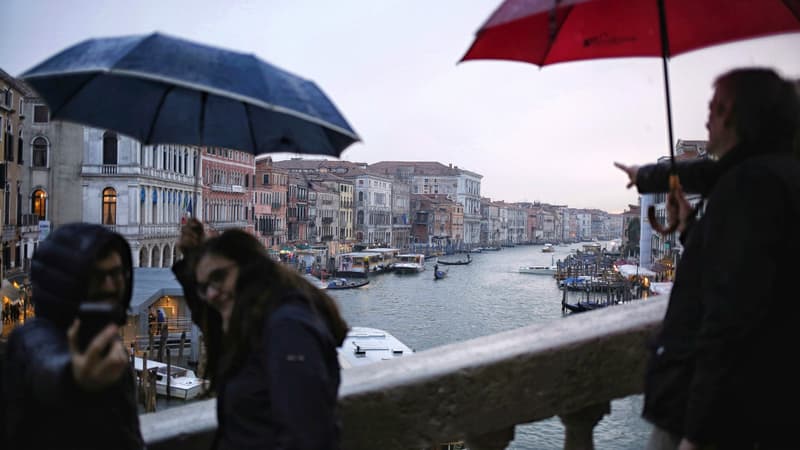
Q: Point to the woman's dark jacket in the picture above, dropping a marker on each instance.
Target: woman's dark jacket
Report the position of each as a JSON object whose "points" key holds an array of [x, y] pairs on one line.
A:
{"points": [[285, 393], [44, 407], [720, 370]]}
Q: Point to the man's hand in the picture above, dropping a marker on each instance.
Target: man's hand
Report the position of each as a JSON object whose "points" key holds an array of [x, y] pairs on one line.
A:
{"points": [[631, 171], [680, 208], [102, 363]]}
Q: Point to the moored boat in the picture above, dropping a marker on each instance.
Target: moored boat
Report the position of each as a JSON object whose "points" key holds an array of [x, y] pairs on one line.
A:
{"points": [[368, 345], [538, 270], [183, 383]]}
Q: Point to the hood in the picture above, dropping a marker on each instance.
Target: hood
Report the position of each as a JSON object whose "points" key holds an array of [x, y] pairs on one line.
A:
{"points": [[60, 269]]}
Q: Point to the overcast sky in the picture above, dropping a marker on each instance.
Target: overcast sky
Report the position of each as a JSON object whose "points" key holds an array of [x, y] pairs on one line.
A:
{"points": [[390, 66]]}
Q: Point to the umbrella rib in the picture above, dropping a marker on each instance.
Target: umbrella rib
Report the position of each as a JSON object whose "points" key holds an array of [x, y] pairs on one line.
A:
{"points": [[550, 47], [202, 125], [250, 129], [157, 114], [69, 98]]}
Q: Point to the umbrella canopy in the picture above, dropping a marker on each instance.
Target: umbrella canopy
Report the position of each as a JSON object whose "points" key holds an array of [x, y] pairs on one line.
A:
{"points": [[161, 89], [545, 32]]}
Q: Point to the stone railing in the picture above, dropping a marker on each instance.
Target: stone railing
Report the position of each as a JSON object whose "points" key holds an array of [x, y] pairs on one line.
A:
{"points": [[476, 390]]}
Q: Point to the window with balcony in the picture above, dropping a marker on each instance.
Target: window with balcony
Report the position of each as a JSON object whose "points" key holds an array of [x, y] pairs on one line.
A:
{"points": [[39, 157], [109, 148], [109, 206]]}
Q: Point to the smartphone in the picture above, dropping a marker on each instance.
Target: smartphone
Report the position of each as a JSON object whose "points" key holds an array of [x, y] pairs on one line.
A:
{"points": [[94, 318]]}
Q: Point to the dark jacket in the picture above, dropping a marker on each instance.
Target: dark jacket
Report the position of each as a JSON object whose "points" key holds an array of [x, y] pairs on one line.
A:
{"points": [[45, 409], [719, 370], [284, 395]]}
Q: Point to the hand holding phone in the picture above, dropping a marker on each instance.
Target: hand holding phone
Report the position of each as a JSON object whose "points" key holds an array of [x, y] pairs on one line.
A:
{"points": [[98, 355], [94, 317]]}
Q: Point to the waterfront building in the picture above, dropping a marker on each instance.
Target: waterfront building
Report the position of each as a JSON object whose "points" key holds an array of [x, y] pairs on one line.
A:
{"points": [[631, 228], [142, 192], [429, 177], [227, 177], [323, 212], [493, 227], [373, 194], [438, 221], [345, 188], [584, 224], [270, 192], [16, 248], [515, 223], [297, 209]]}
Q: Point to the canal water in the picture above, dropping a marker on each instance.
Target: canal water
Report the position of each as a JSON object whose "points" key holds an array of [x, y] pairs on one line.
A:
{"points": [[485, 297]]}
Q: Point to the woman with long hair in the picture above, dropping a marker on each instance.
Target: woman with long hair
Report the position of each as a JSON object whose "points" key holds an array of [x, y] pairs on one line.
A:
{"points": [[271, 341]]}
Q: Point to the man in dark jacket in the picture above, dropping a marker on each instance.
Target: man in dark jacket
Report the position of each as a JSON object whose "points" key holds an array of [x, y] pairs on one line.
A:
{"points": [[720, 372], [59, 396]]}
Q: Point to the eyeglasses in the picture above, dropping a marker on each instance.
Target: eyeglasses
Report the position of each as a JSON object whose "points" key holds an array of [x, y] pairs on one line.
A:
{"points": [[215, 279]]}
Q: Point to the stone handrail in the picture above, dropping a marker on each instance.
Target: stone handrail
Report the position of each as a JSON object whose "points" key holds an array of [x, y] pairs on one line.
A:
{"points": [[476, 390]]}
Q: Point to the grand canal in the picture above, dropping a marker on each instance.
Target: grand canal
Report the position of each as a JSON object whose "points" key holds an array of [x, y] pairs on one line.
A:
{"points": [[485, 297]]}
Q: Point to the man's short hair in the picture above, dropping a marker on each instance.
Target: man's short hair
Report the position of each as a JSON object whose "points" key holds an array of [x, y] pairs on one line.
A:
{"points": [[766, 108]]}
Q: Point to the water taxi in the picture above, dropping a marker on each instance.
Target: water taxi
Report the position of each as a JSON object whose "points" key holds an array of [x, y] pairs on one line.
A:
{"points": [[409, 263], [538, 270]]}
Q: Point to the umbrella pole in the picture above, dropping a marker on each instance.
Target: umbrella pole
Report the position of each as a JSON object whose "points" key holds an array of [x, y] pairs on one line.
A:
{"points": [[662, 16], [674, 183]]}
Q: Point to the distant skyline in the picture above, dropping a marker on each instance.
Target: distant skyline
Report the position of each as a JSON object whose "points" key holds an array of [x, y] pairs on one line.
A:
{"points": [[548, 134]]}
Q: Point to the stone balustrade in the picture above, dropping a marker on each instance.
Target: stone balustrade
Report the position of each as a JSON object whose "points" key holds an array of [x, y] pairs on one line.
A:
{"points": [[476, 390]]}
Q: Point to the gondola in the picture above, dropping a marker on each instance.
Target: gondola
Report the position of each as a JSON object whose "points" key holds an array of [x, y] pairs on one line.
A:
{"points": [[456, 263], [344, 283], [585, 306]]}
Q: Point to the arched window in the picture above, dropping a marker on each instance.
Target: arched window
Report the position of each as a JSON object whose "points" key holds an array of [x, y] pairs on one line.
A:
{"points": [[39, 204], [360, 218], [361, 196], [39, 157], [109, 148], [109, 206]]}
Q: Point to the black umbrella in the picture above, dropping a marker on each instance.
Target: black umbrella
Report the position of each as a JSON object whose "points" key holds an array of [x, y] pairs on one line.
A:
{"points": [[160, 89]]}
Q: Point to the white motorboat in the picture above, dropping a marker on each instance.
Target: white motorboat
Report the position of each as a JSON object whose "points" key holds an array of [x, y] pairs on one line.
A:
{"points": [[364, 346], [409, 263], [183, 383], [538, 270]]}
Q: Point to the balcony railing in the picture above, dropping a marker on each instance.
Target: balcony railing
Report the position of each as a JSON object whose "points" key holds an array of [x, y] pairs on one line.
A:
{"points": [[234, 188], [135, 169], [477, 390]]}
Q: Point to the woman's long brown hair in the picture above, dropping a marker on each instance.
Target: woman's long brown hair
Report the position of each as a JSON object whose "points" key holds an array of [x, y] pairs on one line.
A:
{"points": [[263, 285]]}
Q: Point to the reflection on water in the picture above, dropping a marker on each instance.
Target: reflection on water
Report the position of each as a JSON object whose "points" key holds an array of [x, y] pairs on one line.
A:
{"points": [[482, 298]]}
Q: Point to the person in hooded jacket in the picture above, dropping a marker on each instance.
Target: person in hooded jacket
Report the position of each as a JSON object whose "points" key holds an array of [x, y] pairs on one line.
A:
{"points": [[271, 341], [58, 396], [718, 375]]}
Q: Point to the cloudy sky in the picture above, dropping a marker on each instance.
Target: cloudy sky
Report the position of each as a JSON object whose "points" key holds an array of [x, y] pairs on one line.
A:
{"points": [[548, 134]]}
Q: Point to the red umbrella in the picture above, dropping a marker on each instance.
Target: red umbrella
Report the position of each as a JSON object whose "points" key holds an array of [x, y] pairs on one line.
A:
{"points": [[543, 32]]}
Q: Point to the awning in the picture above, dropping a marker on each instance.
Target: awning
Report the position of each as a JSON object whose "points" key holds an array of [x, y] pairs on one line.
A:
{"points": [[7, 290]]}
